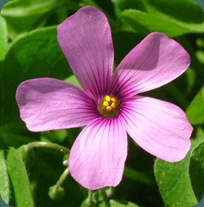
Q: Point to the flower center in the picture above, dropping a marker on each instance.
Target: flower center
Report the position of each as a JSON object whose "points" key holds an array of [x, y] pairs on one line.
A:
{"points": [[109, 106]]}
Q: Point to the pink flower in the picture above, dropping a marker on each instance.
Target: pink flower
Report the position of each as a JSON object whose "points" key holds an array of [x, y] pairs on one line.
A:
{"points": [[109, 105]]}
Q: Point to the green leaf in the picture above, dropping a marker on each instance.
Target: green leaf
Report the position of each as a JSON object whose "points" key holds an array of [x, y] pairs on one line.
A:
{"points": [[195, 111], [113, 203], [167, 17], [199, 132], [22, 16], [3, 38], [34, 55], [197, 170], [19, 179], [174, 183], [4, 179]]}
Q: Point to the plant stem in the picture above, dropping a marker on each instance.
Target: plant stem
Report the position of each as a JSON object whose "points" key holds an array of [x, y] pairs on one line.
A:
{"points": [[49, 145], [61, 180], [90, 198]]}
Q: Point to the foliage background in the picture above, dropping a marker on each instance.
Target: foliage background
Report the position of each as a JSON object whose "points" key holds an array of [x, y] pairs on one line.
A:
{"points": [[29, 49]]}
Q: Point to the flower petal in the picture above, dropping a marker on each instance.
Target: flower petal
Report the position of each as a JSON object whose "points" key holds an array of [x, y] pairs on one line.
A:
{"points": [[159, 127], [98, 155], [157, 60], [85, 38], [48, 104]]}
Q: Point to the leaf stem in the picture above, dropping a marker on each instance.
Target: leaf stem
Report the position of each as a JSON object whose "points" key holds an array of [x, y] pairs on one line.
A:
{"points": [[61, 180], [49, 145], [90, 198]]}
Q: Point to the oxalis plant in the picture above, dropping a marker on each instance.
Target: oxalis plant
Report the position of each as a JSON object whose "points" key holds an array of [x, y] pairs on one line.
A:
{"points": [[101, 103]]}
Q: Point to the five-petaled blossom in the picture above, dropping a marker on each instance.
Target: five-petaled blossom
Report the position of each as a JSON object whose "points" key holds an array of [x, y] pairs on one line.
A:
{"points": [[108, 105]]}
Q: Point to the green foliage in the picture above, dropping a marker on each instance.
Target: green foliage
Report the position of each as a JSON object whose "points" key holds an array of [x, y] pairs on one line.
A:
{"points": [[29, 49], [23, 16], [195, 111], [3, 38], [180, 183], [165, 16], [4, 179], [19, 179], [174, 183], [197, 170]]}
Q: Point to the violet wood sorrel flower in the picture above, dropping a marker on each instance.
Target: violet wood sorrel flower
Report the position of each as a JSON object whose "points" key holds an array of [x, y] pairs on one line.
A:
{"points": [[109, 105]]}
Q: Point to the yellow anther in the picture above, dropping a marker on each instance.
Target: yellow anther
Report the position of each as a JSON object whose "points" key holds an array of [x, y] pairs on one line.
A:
{"points": [[105, 103], [108, 98], [108, 108], [113, 99], [113, 105]]}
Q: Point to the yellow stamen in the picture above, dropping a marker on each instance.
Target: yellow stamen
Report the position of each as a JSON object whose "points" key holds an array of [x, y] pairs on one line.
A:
{"points": [[105, 103], [108, 98], [108, 108], [113, 105]]}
